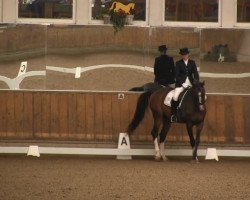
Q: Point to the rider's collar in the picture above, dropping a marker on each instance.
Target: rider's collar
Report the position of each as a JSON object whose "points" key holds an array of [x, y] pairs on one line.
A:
{"points": [[186, 62]]}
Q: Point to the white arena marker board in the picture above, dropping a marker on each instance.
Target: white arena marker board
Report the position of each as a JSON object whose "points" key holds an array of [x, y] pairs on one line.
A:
{"points": [[78, 72], [33, 151], [211, 154], [123, 144], [22, 69]]}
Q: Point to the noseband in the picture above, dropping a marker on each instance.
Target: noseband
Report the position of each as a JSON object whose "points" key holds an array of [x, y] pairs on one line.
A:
{"points": [[202, 100]]}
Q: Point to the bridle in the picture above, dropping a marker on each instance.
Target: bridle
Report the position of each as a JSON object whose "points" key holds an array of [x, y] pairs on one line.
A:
{"points": [[202, 97]]}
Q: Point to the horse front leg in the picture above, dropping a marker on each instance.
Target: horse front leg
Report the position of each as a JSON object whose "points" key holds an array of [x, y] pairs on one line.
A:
{"points": [[199, 128], [189, 127]]}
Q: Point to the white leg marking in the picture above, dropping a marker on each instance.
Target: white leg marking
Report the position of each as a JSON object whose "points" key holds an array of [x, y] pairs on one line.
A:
{"points": [[157, 150], [162, 151]]}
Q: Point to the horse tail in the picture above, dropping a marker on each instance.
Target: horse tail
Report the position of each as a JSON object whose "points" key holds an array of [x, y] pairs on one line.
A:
{"points": [[141, 106], [138, 89]]}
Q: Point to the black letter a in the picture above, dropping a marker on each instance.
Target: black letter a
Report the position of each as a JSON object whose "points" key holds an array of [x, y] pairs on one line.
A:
{"points": [[124, 141]]}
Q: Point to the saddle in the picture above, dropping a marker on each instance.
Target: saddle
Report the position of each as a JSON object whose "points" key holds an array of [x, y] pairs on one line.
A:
{"points": [[169, 97]]}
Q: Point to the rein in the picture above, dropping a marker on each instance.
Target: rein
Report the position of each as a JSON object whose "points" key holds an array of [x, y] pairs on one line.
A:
{"points": [[201, 106], [179, 106]]}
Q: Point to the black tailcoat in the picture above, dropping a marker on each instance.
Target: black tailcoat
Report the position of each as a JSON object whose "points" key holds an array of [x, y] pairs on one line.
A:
{"points": [[164, 70], [182, 71]]}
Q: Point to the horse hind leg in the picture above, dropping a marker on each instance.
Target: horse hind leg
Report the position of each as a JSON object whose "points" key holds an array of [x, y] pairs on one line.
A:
{"points": [[163, 135], [154, 133]]}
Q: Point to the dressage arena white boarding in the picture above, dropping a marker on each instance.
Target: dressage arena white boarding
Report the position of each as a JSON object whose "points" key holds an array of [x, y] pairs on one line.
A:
{"points": [[122, 152]]}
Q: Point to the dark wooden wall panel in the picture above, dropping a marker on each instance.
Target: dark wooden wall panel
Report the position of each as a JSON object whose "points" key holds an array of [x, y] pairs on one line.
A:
{"points": [[107, 116], [72, 114], [3, 114], [37, 118], [28, 115], [54, 107], [124, 106], [46, 115], [88, 116], [10, 114], [80, 117], [116, 113], [63, 116], [246, 119], [19, 109], [98, 113]]}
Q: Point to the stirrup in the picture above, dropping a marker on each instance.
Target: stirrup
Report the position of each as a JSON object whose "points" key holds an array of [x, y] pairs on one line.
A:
{"points": [[173, 118]]}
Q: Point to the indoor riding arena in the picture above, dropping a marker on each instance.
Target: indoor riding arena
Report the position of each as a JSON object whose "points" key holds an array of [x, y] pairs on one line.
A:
{"points": [[66, 103]]}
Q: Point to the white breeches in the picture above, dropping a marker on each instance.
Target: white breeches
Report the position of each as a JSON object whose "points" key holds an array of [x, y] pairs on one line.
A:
{"points": [[177, 92]]}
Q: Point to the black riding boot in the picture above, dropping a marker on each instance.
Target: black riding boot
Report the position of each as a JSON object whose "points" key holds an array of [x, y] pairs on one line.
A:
{"points": [[174, 105]]}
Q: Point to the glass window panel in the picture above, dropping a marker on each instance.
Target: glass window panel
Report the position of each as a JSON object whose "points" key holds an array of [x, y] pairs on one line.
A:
{"points": [[52, 9], [100, 7], [191, 10], [243, 11]]}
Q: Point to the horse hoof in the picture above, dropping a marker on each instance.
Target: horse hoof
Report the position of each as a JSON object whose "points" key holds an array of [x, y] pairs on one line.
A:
{"points": [[157, 158], [164, 158], [196, 161]]}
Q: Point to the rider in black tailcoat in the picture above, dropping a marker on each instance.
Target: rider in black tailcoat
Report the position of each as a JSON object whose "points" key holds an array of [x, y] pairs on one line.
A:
{"points": [[164, 68], [185, 73]]}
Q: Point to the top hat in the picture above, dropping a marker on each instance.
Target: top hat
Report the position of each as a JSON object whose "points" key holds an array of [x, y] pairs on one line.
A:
{"points": [[162, 48], [184, 51]]}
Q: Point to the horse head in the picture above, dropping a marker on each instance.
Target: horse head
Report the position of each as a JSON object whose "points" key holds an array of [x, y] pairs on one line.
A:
{"points": [[200, 94]]}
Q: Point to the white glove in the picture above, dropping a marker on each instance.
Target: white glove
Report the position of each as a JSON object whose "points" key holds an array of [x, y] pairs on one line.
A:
{"points": [[185, 85]]}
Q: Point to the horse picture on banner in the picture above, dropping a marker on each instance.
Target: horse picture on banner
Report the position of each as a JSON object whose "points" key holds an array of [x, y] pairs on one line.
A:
{"points": [[192, 112]]}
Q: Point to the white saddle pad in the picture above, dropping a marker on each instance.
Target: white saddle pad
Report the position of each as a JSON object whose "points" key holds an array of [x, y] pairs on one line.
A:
{"points": [[168, 98]]}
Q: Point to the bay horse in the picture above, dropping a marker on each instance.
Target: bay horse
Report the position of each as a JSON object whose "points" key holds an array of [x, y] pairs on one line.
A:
{"points": [[192, 112]]}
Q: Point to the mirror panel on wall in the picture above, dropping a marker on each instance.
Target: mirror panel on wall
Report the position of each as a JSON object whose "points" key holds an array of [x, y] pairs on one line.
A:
{"points": [[51, 57], [22, 58], [225, 60], [94, 58]]}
